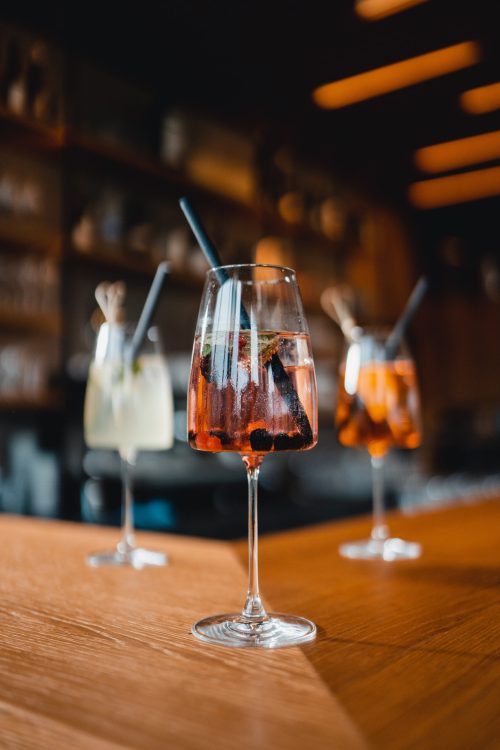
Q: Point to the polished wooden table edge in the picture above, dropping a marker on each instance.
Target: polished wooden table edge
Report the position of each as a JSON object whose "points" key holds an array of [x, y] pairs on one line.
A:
{"points": [[363, 521], [406, 515], [103, 529]]}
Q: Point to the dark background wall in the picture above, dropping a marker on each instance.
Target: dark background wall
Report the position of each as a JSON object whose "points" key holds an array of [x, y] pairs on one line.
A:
{"points": [[120, 109]]}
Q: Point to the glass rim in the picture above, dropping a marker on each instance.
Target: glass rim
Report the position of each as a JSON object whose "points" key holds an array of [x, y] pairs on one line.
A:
{"points": [[252, 265]]}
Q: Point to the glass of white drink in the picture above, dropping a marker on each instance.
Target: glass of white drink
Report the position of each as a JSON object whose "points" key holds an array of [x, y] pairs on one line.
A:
{"points": [[128, 408]]}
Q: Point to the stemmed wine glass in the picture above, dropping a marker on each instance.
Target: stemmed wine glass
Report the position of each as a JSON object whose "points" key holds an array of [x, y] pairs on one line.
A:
{"points": [[377, 409], [252, 391], [128, 407]]}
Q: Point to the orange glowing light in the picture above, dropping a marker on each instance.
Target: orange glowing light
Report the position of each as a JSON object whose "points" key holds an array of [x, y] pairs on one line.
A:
{"points": [[291, 207], [396, 76], [273, 250], [481, 100], [460, 153], [372, 10], [457, 188]]}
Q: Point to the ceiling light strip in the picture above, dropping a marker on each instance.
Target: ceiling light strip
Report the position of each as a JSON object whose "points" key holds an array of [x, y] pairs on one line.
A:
{"points": [[373, 10], [481, 100], [396, 75], [460, 153], [457, 188]]}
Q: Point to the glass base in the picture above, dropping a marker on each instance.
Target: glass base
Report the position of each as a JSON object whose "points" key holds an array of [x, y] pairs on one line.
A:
{"points": [[381, 549], [136, 557], [234, 630]]}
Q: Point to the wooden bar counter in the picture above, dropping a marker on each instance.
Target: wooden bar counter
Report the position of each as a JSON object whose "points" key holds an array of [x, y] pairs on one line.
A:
{"points": [[407, 655]]}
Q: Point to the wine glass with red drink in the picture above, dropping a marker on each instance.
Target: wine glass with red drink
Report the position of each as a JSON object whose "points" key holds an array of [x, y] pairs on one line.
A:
{"points": [[252, 391]]}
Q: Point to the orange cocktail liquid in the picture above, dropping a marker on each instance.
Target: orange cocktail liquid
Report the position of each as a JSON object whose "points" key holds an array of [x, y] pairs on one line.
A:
{"points": [[382, 412], [234, 401]]}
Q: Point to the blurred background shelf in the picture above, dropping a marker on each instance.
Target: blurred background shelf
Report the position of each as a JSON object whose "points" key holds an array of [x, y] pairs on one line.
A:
{"points": [[32, 322], [23, 234], [23, 131], [135, 165], [113, 261], [47, 401], [131, 265], [111, 155]]}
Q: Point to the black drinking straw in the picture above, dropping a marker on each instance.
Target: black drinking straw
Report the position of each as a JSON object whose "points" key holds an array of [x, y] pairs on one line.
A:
{"points": [[209, 251], [207, 246], [147, 311], [280, 375], [399, 330]]}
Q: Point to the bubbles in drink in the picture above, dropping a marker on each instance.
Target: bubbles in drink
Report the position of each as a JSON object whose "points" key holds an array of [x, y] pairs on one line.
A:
{"points": [[237, 392]]}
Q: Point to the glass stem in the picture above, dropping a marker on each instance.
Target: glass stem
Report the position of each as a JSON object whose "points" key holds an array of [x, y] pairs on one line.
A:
{"points": [[127, 461], [253, 609], [380, 530]]}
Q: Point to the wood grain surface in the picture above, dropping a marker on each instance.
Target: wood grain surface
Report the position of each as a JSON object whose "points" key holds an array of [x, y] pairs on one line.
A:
{"points": [[410, 649], [104, 659]]}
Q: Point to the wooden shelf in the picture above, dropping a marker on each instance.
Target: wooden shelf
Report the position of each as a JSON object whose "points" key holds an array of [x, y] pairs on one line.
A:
{"points": [[122, 157], [24, 234], [64, 138], [28, 132], [34, 322], [49, 400], [135, 163], [125, 261]]}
